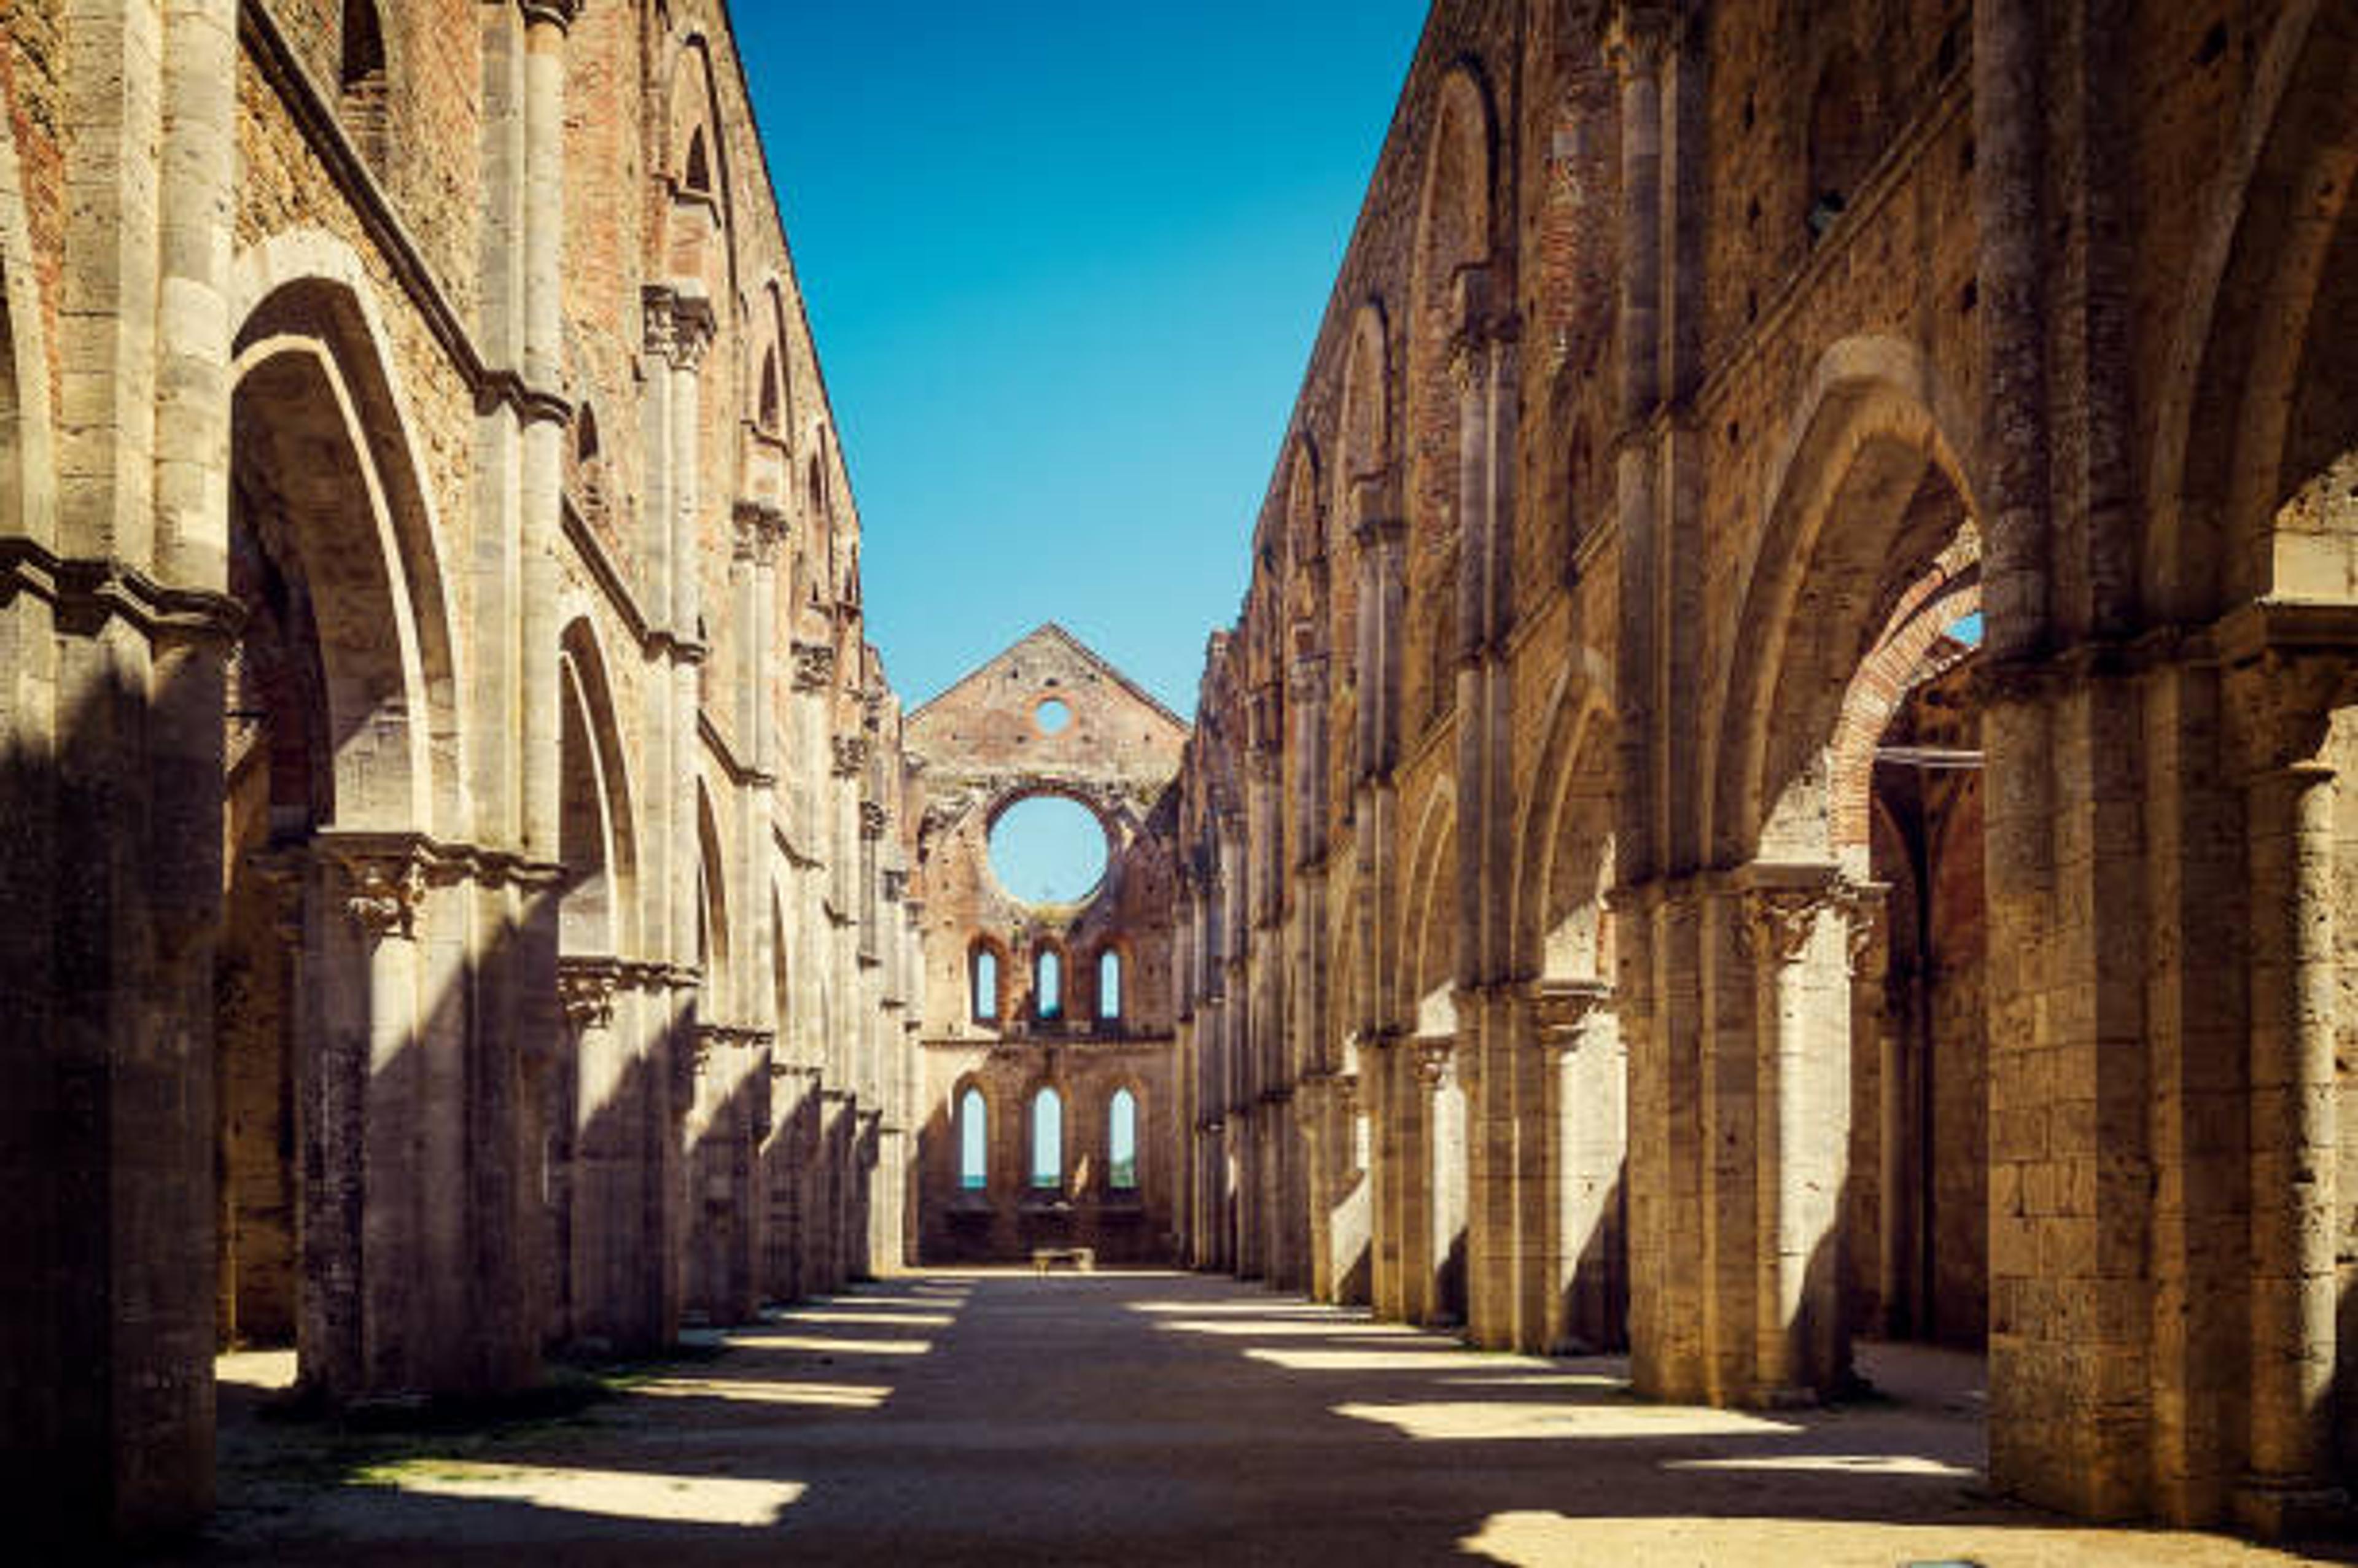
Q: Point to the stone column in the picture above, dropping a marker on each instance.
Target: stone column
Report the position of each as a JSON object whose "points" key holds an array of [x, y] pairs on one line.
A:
{"points": [[1800, 935], [2290, 795], [1585, 1245]]}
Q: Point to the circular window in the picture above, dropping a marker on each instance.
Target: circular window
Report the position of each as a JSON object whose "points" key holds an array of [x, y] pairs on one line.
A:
{"points": [[1051, 715], [1047, 850]]}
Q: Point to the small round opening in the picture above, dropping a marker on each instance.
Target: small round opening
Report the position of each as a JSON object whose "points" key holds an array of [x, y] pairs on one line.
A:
{"points": [[1047, 850], [1051, 715]]}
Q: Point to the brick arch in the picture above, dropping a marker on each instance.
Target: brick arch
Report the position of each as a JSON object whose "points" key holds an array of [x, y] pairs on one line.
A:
{"points": [[2246, 419], [1867, 492], [1563, 843], [1914, 646]]}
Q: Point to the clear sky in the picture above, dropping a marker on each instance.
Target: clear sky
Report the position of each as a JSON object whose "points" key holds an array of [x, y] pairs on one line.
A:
{"points": [[1065, 262]]}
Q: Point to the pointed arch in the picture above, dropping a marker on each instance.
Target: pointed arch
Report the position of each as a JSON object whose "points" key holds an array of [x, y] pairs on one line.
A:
{"points": [[1867, 494], [1429, 937], [311, 346], [2252, 412], [598, 912], [1563, 860]]}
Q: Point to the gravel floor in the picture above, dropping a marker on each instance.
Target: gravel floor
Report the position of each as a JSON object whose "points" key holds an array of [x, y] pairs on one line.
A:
{"points": [[1138, 1419]]}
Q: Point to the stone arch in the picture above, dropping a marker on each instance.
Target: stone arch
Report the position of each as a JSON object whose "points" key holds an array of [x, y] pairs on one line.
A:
{"points": [[1363, 462], [28, 497], [1306, 550], [714, 954], [311, 327], [2260, 401], [1452, 243], [1866, 493], [699, 223], [972, 1086], [598, 912], [1430, 939], [1563, 860], [1841, 138], [307, 481]]}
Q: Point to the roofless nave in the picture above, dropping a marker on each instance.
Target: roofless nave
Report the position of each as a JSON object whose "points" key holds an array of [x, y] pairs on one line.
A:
{"points": [[1778, 777]]}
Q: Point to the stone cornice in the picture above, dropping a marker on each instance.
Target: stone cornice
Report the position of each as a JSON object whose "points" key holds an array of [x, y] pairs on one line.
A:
{"points": [[86, 593]]}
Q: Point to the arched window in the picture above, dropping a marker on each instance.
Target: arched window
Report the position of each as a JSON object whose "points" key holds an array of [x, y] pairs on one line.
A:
{"points": [[363, 58], [1048, 1139], [1048, 984], [771, 399], [1110, 985], [697, 177], [986, 986], [585, 434], [974, 1142], [1121, 1142], [361, 75]]}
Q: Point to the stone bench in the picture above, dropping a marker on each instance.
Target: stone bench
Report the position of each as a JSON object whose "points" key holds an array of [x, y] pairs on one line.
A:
{"points": [[1083, 1258]]}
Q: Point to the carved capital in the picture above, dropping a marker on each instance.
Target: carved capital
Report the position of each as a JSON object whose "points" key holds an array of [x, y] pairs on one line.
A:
{"points": [[1561, 1010], [1433, 1061], [1637, 37], [1777, 923], [872, 819], [896, 885], [679, 325], [2282, 704], [585, 988], [383, 893], [850, 755], [814, 666]]}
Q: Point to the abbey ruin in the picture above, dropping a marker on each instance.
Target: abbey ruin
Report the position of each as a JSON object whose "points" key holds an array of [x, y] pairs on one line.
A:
{"points": [[1776, 784]]}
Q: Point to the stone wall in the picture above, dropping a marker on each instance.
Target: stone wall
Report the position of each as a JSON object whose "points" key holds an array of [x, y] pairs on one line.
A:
{"points": [[431, 585], [973, 752], [1786, 697]]}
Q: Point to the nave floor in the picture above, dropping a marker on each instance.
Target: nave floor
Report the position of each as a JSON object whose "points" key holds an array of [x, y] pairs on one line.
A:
{"points": [[1132, 1419]]}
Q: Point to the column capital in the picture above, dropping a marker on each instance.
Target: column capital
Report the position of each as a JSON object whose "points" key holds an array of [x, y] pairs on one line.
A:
{"points": [[1637, 37], [679, 323], [557, 14], [872, 819], [1433, 1061], [383, 894], [814, 666], [585, 988], [850, 755], [1560, 1010]]}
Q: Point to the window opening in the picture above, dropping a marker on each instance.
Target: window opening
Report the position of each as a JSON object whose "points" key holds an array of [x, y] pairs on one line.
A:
{"points": [[1047, 850], [1051, 715], [698, 176], [974, 1142], [770, 392], [1109, 984], [1049, 987], [1048, 1139], [1121, 1142], [986, 986]]}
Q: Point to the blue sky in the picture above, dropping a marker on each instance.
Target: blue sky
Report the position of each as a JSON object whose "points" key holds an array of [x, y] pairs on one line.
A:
{"points": [[1064, 263]]}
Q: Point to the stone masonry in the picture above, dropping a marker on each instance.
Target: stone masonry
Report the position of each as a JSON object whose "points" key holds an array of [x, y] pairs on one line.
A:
{"points": [[454, 907], [995, 1035], [1780, 772]]}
